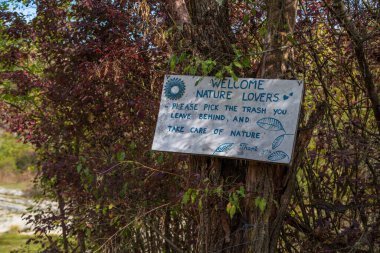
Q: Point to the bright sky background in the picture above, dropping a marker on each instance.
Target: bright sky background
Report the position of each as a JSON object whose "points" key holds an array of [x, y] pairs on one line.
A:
{"points": [[28, 11]]}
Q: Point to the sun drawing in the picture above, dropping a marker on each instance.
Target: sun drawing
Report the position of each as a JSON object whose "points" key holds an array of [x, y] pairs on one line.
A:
{"points": [[174, 88]]}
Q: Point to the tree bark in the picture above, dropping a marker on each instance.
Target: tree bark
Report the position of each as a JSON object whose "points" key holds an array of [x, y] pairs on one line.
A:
{"points": [[207, 33], [205, 27], [61, 206], [274, 183]]}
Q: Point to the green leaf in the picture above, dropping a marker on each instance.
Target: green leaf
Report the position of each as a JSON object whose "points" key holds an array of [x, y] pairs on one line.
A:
{"points": [[238, 64], [207, 66], [160, 159], [173, 62], [261, 203], [231, 209], [132, 145], [245, 19], [190, 69], [79, 167], [120, 156], [291, 39], [219, 74], [186, 197], [236, 51], [262, 31], [193, 70], [235, 199], [231, 72], [200, 205], [204, 68], [194, 196], [219, 191], [182, 57], [241, 191], [246, 62]]}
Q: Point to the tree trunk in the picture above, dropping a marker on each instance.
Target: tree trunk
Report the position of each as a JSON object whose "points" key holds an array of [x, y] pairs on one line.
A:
{"points": [[205, 32], [271, 183], [205, 27], [61, 206]]}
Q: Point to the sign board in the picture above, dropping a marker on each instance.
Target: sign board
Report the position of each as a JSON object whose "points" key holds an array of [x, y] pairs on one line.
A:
{"points": [[246, 119]]}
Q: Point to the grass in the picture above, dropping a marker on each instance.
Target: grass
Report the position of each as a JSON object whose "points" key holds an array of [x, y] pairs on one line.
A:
{"points": [[14, 241], [16, 172], [17, 162]]}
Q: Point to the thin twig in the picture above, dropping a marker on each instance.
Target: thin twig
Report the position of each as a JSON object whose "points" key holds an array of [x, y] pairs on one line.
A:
{"points": [[172, 244], [127, 225]]}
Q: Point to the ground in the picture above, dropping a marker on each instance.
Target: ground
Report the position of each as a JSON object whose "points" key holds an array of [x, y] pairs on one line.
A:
{"points": [[13, 240]]}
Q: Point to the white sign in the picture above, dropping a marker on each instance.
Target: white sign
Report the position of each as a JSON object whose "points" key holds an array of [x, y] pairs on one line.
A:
{"points": [[246, 119]]}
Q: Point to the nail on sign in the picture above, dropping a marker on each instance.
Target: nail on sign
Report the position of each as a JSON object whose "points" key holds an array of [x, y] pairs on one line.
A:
{"points": [[248, 118]]}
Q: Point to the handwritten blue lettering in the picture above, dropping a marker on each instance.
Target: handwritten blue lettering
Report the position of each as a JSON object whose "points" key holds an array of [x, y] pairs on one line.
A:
{"points": [[176, 129], [218, 131], [178, 115], [200, 130], [209, 107], [229, 83], [261, 97], [206, 116], [238, 133], [186, 107], [231, 108], [250, 109], [279, 111], [241, 119], [245, 146], [214, 94]]}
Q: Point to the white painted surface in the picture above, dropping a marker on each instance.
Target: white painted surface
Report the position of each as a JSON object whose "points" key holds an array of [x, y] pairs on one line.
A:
{"points": [[191, 117]]}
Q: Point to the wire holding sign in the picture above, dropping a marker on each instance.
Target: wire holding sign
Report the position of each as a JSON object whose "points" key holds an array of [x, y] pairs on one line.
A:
{"points": [[246, 118]]}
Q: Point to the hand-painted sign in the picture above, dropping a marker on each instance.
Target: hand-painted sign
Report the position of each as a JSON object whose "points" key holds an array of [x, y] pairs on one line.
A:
{"points": [[246, 119]]}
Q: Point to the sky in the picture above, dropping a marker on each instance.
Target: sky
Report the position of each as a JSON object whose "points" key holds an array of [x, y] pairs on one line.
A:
{"points": [[28, 11]]}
